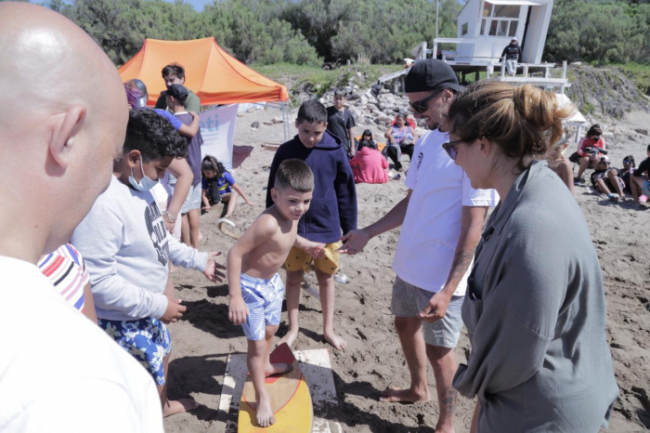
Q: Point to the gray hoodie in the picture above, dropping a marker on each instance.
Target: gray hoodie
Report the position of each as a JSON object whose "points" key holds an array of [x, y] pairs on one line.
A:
{"points": [[127, 249], [535, 313]]}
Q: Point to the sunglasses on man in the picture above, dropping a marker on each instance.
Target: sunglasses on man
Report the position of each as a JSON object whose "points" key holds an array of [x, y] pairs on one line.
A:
{"points": [[451, 148], [423, 105]]}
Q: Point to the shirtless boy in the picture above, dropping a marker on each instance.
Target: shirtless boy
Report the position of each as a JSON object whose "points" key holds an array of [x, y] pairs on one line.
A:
{"points": [[256, 289]]}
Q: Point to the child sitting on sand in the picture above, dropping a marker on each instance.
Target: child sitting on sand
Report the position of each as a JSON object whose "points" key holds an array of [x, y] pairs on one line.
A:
{"points": [[219, 186], [127, 251], [368, 165], [334, 209], [559, 163], [605, 179], [256, 289]]}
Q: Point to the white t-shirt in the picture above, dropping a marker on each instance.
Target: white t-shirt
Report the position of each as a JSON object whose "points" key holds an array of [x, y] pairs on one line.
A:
{"points": [[61, 373], [431, 228]]}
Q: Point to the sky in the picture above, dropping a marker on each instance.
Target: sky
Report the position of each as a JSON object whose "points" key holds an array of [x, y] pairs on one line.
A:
{"points": [[197, 4]]}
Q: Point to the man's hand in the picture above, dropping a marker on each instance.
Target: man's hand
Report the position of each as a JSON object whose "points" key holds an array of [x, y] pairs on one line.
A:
{"points": [[211, 270], [174, 311], [237, 311], [169, 226], [354, 242], [315, 249], [194, 115], [435, 309]]}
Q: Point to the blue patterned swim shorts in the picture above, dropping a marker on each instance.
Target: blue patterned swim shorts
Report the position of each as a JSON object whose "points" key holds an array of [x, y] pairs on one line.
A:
{"points": [[264, 301], [147, 340]]}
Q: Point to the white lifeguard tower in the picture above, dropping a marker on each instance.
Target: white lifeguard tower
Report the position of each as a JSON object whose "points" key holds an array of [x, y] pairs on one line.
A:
{"points": [[485, 27]]}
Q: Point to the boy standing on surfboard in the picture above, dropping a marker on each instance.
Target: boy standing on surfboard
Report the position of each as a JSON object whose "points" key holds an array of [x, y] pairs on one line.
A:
{"points": [[256, 289]]}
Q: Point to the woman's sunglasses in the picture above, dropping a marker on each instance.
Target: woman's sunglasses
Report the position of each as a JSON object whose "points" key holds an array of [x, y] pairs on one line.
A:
{"points": [[423, 105], [451, 148]]}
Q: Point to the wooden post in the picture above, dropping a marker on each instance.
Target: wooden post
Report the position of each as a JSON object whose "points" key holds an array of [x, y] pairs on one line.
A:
{"points": [[477, 75], [563, 69], [503, 68]]}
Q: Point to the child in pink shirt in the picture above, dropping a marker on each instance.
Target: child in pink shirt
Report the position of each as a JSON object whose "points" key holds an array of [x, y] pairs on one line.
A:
{"points": [[368, 165]]}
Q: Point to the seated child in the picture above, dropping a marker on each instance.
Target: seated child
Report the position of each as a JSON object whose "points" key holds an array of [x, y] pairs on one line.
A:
{"points": [[640, 181], [558, 162], [127, 250], [605, 179], [256, 289], [219, 185], [368, 165], [588, 152], [628, 168]]}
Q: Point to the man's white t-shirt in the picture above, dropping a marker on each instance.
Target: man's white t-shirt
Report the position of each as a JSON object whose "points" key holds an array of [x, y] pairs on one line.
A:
{"points": [[59, 372], [431, 227]]}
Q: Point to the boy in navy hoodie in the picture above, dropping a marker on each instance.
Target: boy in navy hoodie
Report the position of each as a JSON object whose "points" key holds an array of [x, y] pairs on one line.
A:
{"points": [[333, 208]]}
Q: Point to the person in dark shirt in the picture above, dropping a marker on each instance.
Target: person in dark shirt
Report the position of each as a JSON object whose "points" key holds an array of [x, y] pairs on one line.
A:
{"points": [[340, 123], [333, 210], [513, 55], [605, 179], [639, 181]]}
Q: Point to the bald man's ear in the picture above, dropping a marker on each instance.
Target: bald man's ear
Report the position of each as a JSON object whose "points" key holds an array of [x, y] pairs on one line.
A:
{"points": [[64, 128]]}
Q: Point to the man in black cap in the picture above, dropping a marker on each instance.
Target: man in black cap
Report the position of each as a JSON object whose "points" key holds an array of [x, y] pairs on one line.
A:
{"points": [[442, 218], [512, 54]]}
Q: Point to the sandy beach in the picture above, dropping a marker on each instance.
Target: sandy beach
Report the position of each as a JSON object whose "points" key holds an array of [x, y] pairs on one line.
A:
{"points": [[204, 337]]}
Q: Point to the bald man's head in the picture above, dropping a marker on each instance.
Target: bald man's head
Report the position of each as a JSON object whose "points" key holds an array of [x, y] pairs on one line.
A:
{"points": [[63, 120]]}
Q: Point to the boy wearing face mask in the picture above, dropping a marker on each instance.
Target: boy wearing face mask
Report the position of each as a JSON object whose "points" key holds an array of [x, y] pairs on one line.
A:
{"points": [[127, 250]]}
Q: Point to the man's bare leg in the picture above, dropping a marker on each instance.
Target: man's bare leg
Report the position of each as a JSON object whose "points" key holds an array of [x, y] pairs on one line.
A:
{"points": [[326, 286], [443, 361], [171, 407], [294, 279], [409, 330]]}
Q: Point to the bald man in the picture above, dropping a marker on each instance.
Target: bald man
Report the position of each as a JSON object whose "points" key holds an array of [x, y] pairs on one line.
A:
{"points": [[62, 123]]}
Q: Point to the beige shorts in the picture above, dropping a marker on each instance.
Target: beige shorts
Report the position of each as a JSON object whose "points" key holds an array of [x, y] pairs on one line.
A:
{"points": [[408, 300]]}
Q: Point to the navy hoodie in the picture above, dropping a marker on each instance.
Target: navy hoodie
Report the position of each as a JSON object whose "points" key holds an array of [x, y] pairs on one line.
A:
{"points": [[334, 203]]}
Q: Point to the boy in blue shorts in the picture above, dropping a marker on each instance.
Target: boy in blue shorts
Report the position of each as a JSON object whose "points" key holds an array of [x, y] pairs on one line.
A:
{"points": [[127, 250], [256, 289], [334, 208]]}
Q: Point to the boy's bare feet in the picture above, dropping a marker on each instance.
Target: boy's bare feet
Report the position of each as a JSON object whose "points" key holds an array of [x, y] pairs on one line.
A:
{"points": [[289, 338], [335, 340], [264, 413], [393, 395], [275, 369], [171, 407]]}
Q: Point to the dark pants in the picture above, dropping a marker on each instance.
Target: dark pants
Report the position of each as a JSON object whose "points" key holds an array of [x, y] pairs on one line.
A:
{"points": [[394, 152]]}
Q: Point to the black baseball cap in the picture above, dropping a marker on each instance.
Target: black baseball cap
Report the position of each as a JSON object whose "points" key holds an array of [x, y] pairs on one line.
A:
{"points": [[177, 92], [431, 75]]}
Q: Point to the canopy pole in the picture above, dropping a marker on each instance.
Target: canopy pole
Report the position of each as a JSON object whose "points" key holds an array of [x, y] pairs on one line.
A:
{"points": [[285, 126]]}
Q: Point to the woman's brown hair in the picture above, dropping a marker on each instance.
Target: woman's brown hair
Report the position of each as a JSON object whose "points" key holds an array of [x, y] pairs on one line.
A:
{"points": [[522, 121]]}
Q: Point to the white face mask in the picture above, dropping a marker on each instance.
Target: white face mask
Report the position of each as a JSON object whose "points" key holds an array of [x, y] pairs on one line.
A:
{"points": [[145, 184]]}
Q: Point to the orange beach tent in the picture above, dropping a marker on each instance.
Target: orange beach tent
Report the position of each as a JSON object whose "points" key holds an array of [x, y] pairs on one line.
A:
{"points": [[214, 75]]}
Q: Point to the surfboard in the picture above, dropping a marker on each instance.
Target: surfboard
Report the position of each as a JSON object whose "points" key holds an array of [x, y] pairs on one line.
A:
{"points": [[290, 399]]}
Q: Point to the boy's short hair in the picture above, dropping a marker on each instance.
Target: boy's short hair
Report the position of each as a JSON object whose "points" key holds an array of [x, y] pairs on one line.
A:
{"points": [[294, 174], [312, 111], [174, 69], [153, 135], [340, 94]]}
